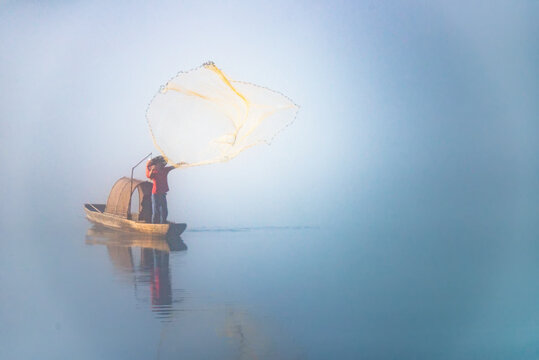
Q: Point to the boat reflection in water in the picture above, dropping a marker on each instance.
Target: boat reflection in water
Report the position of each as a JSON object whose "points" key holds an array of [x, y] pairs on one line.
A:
{"points": [[195, 326], [145, 261]]}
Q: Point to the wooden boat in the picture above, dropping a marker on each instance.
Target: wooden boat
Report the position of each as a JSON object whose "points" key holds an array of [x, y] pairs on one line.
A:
{"points": [[116, 213], [100, 235]]}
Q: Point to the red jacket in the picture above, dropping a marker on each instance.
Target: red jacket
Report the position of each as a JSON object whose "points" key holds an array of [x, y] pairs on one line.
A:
{"points": [[159, 178]]}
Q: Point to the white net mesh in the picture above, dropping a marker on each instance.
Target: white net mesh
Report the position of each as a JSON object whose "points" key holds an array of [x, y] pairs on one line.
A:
{"points": [[203, 117]]}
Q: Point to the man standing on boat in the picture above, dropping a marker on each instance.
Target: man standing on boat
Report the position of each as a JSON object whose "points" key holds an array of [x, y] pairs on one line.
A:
{"points": [[157, 171]]}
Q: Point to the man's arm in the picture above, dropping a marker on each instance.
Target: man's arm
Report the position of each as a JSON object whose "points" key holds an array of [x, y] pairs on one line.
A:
{"points": [[180, 164], [149, 170]]}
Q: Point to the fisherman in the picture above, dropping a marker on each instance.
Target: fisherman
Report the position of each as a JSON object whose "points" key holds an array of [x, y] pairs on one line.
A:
{"points": [[157, 171]]}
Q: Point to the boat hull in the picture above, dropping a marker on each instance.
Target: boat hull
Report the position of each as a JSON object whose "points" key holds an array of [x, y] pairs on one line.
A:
{"points": [[98, 216]]}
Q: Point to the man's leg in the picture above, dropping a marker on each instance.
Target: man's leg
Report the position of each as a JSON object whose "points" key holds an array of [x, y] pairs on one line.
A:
{"points": [[165, 208], [156, 209]]}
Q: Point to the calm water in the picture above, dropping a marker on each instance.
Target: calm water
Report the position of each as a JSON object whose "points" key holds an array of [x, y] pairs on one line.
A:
{"points": [[70, 290]]}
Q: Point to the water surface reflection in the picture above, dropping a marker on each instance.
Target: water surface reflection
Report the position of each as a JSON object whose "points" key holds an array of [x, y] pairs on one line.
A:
{"points": [[217, 317], [144, 261]]}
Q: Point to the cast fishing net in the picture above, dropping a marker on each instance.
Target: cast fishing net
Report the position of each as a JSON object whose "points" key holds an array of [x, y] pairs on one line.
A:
{"points": [[203, 117]]}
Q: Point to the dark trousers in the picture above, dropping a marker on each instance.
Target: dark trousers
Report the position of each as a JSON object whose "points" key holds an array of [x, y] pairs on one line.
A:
{"points": [[159, 208]]}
